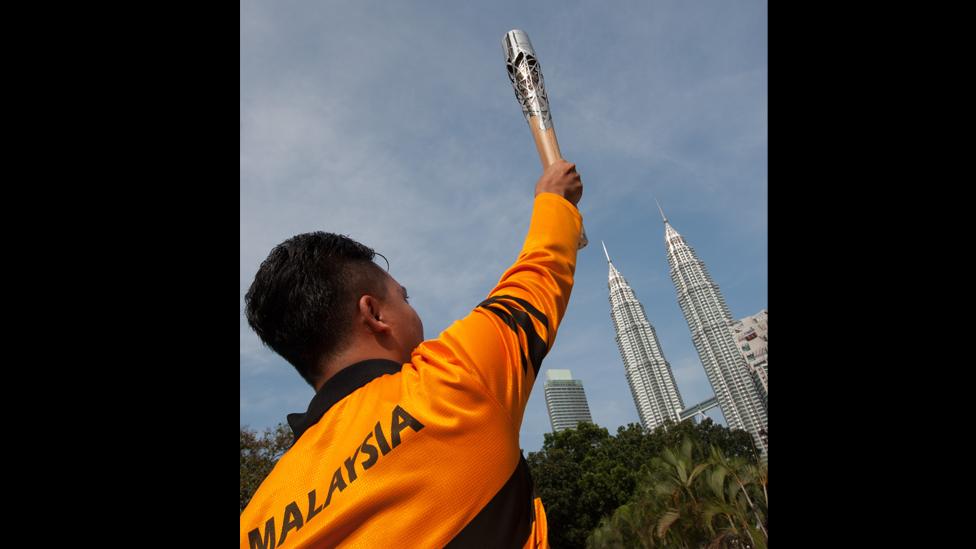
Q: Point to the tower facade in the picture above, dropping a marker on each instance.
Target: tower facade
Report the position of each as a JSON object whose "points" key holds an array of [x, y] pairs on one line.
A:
{"points": [[709, 321], [648, 372], [752, 336], [565, 400]]}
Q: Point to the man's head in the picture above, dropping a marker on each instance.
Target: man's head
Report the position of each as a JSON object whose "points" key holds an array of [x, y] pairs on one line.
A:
{"points": [[318, 295]]}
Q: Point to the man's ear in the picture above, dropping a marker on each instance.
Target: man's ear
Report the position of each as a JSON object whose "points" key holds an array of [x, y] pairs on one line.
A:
{"points": [[369, 311]]}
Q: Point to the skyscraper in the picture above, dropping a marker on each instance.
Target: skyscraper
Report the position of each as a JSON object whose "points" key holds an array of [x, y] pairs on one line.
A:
{"points": [[709, 320], [751, 335], [565, 400], [648, 373]]}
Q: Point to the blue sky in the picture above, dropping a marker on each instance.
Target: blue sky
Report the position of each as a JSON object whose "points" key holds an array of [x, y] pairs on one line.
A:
{"points": [[395, 123]]}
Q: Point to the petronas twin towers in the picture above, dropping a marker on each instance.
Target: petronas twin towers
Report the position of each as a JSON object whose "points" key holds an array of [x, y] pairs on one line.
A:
{"points": [[649, 373]]}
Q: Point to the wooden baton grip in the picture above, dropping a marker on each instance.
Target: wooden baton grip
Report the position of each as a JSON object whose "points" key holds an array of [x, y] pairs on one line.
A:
{"points": [[548, 147], [546, 144]]}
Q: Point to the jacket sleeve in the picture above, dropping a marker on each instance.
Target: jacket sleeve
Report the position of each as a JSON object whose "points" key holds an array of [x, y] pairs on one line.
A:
{"points": [[503, 341]]}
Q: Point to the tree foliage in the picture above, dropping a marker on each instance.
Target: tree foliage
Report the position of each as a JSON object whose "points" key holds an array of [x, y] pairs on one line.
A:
{"points": [[586, 474], [684, 501], [259, 455]]}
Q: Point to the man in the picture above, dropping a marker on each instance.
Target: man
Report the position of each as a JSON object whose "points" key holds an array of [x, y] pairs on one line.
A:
{"points": [[409, 443]]}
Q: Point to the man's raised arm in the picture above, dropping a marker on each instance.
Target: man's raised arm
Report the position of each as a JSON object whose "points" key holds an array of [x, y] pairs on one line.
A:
{"points": [[504, 340]]}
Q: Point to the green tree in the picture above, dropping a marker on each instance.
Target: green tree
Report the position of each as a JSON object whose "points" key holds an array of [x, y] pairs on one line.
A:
{"points": [[737, 507], [571, 474], [704, 435], [585, 474], [259, 455], [688, 497]]}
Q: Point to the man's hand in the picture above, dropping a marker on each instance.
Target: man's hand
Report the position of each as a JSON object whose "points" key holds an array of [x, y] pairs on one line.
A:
{"points": [[561, 178]]}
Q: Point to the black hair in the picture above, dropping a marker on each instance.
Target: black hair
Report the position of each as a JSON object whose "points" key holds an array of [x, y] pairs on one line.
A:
{"points": [[305, 296]]}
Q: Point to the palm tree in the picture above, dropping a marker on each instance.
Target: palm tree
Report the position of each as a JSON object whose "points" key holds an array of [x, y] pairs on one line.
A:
{"points": [[716, 502], [737, 506]]}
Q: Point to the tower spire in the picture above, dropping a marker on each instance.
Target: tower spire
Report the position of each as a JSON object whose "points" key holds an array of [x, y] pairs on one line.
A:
{"points": [[605, 251], [663, 217]]}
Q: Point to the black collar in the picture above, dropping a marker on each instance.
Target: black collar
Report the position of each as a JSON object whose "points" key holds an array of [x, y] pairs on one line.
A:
{"points": [[339, 387]]}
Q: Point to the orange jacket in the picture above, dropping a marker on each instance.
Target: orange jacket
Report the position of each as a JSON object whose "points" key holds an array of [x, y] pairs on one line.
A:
{"points": [[426, 454]]}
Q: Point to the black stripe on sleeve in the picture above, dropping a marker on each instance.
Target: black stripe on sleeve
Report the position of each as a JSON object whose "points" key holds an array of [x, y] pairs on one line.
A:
{"points": [[525, 305], [537, 346], [510, 322]]}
